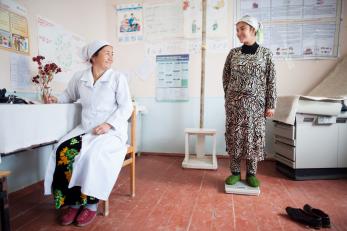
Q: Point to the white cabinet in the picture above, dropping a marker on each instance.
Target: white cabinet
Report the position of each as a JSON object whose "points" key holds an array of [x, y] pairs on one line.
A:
{"points": [[342, 142], [316, 146], [312, 148]]}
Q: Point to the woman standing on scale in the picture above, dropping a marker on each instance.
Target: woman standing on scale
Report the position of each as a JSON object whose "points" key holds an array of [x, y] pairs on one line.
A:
{"points": [[250, 96]]}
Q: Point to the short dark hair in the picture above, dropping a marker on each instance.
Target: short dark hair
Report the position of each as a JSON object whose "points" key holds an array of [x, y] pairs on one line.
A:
{"points": [[96, 53]]}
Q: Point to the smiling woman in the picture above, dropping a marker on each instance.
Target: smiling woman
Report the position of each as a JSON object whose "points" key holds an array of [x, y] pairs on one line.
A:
{"points": [[250, 95], [101, 60], [86, 163]]}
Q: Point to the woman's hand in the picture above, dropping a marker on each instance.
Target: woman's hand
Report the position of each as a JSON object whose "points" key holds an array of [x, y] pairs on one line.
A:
{"points": [[102, 129], [50, 99], [269, 112]]}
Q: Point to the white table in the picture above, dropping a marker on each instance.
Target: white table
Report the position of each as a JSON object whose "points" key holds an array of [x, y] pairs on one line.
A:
{"points": [[24, 126]]}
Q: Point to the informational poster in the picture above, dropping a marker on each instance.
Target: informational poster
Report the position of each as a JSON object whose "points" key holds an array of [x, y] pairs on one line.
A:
{"points": [[172, 77], [62, 47], [130, 22], [318, 9], [14, 34], [192, 10], [163, 21], [216, 18], [318, 39], [14, 6], [260, 9], [283, 10], [286, 40], [296, 28]]}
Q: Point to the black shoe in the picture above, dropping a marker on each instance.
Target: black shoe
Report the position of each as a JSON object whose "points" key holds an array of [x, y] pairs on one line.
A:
{"points": [[325, 217], [301, 216]]}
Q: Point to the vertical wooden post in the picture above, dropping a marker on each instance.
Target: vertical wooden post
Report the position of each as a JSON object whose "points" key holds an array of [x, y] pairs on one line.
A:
{"points": [[203, 51]]}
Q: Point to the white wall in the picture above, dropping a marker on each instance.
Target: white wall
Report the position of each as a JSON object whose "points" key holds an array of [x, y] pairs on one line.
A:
{"points": [[293, 77]]}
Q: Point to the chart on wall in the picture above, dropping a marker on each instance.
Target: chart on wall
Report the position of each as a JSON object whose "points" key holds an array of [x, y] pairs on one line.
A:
{"points": [[172, 77], [301, 29], [14, 34], [60, 46]]}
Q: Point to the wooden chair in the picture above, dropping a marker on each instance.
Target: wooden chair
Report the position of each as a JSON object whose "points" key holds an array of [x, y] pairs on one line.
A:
{"points": [[4, 206], [129, 160]]}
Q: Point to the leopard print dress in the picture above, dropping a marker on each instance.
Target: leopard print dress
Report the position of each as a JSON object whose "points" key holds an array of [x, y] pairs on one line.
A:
{"points": [[250, 88]]}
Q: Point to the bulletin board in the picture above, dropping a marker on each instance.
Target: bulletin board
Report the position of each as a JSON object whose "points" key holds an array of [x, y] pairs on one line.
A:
{"points": [[14, 34], [300, 29]]}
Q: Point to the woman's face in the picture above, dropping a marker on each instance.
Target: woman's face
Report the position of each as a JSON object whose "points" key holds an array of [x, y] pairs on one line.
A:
{"points": [[104, 59], [245, 33]]}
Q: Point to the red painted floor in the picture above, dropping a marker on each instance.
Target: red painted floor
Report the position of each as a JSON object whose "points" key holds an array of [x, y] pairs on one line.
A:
{"points": [[171, 198]]}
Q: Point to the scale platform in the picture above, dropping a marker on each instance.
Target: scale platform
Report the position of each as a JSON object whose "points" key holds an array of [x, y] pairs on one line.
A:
{"points": [[242, 188]]}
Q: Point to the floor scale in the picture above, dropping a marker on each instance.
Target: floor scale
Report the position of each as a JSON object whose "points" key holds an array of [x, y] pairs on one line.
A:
{"points": [[242, 188]]}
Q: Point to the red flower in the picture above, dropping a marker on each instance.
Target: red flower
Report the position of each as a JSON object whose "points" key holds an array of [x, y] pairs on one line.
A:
{"points": [[45, 74]]}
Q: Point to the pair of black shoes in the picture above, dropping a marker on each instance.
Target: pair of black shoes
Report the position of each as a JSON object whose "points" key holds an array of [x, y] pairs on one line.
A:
{"points": [[312, 217]]}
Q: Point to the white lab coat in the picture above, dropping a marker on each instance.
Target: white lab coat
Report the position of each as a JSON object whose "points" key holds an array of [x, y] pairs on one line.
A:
{"points": [[100, 160]]}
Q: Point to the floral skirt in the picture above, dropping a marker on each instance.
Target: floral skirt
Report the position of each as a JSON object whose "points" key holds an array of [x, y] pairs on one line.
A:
{"points": [[65, 156]]}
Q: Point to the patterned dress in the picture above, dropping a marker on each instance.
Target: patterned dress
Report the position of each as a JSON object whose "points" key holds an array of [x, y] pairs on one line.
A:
{"points": [[65, 157], [250, 88]]}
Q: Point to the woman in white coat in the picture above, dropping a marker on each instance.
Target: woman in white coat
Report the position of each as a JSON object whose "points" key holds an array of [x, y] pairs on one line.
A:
{"points": [[85, 165]]}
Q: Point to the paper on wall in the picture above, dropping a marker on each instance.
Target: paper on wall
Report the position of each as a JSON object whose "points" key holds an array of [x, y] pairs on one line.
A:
{"points": [[130, 22], [62, 47], [145, 69], [20, 71], [163, 20]]}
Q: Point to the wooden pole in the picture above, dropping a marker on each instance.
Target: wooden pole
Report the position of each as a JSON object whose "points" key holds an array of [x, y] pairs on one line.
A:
{"points": [[203, 51]]}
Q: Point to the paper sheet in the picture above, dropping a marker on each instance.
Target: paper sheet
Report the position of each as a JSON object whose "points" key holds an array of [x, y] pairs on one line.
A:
{"points": [[62, 47], [145, 69], [163, 21], [20, 71]]}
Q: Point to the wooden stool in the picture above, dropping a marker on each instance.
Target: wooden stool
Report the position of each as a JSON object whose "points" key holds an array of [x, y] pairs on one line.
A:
{"points": [[200, 161], [4, 206]]}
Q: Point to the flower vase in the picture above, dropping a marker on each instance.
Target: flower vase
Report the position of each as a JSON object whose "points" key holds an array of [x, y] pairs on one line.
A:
{"points": [[44, 93]]}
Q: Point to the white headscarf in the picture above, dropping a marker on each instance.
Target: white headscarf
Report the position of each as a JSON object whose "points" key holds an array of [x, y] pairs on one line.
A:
{"points": [[89, 50], [252, 21], [258, 26]]}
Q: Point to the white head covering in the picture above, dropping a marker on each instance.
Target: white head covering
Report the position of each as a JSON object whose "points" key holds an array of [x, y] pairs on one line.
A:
{"points": [[252, 21], [258, 26], [89, 50]]}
